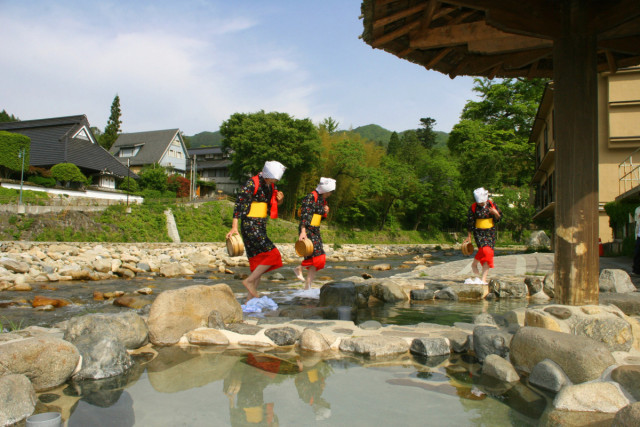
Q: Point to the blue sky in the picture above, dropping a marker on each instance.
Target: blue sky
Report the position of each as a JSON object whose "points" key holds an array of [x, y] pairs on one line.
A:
{"points": [[193, 63]]}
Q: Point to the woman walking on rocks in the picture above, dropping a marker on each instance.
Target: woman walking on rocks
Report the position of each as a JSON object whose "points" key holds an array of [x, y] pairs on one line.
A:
{"points": [[258, 199], [481, 219], [314, 208]]}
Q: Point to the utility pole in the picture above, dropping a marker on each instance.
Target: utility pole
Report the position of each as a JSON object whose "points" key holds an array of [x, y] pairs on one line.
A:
{"points": [[21, 154], [128, 180]]}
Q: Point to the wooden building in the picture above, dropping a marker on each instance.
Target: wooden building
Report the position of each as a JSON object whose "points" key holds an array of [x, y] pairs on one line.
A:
{"points": [[618, 139], [570, 41]]}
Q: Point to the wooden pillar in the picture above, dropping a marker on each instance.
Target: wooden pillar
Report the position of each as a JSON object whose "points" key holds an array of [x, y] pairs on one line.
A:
{"points": [[576, 170]]}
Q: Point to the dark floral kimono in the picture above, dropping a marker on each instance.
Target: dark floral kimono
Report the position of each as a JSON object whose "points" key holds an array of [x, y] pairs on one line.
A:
{"points": [[313, 203], [485, 237], [260, 249]]}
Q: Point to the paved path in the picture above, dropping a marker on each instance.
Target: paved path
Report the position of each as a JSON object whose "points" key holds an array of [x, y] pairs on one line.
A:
{"points": [[519, 265]]}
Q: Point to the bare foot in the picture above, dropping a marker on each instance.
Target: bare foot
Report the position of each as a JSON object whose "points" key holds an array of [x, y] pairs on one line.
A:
{"points": [[250, 287], [307, 287], [298, 272]]}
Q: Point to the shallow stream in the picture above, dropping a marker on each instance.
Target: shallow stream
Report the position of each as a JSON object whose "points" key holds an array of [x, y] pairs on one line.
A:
{"points": [[205, 386]]}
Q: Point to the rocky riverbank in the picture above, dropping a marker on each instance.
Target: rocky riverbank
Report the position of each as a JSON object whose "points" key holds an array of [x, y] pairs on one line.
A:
{"points": [[25, 263], [587, 358]]}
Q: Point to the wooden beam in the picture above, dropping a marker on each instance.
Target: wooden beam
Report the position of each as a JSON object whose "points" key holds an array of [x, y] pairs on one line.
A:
{"points": [[627, 45], [386, 38], [611, 61], [452, 35], [628, 28], [510, 43], [381, 22], [576, 127], [494, 71], [437, 58], [607, 15], [428, 14]]}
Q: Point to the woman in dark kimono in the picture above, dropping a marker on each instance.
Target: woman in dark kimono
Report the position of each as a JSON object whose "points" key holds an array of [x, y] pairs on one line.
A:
{"points": [[481, 219], [314, 208], [258, 199]]}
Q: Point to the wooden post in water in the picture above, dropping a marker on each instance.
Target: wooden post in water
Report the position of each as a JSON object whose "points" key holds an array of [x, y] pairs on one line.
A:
{"points": [[575, 122]]}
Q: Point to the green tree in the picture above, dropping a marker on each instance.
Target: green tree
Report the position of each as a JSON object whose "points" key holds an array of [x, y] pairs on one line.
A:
{"points": [[394, 144], [153, 177], [329, 124], [129, 185], [255, 138], [11, 145], [6, 117], [426, 134], [112, 129], [67, 173], [492, 139]]}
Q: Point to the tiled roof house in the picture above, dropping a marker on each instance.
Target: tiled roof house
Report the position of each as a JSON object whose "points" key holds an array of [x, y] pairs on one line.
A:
{"points": [[69, 140], [140, 149]]}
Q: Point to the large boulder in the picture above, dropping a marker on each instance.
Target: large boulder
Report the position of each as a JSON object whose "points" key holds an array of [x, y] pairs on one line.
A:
{"points": [[102, 357], [629, 416], [581, 358], [539, 239], [490, 340], [46, 361], [374, 345], [337, 294], [605, 324], [17, 398], [179, 311], [615, 280], [127, 327], [388, 291], [591, 397]]}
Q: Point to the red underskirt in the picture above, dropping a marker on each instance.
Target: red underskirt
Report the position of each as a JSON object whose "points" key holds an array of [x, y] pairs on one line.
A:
{"points": [[272, 258], [485, 255], [317, 261]]}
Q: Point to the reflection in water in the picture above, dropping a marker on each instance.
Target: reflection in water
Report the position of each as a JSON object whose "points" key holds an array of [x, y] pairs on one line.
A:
{"points": [[208, 386], [247, 380]]}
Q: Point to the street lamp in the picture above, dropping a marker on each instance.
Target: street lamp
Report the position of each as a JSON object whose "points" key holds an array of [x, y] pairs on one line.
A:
{"points": [[21, 155], [128, 183]]}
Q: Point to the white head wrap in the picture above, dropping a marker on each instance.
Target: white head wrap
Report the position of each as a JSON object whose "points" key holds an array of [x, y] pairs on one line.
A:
{"points": [[273, 169], [326, 185], [481, 195]]}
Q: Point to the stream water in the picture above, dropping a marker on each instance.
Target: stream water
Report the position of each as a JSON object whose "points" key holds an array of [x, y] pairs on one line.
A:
{"points": [[196, 386]]}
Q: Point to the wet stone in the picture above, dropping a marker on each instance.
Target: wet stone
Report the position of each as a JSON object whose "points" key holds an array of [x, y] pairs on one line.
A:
{"points": [[422, 294], [243, 328], [370, 325], [629, 378], [48, 397], [215, 320], [559, 312], [283, 336]]}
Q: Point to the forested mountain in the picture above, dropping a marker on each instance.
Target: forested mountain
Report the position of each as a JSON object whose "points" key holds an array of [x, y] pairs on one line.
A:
{"points": [[371, 132], [204, 139], [381, 135]]}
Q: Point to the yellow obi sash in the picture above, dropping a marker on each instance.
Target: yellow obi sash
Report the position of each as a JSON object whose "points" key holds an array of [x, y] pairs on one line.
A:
{"points": [[484, 223], [258, 210], [315, 220]]}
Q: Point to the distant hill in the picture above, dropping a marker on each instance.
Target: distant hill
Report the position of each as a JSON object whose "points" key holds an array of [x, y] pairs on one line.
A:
{"points": [[379, 134], [204, 139], [371, 132]]}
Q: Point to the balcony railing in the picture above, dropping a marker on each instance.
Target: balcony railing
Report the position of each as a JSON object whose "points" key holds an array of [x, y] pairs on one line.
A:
{"points": [[629, 173]]}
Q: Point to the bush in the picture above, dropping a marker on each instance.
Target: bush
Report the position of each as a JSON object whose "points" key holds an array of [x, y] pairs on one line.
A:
{"points": [[41, 180], [129, 185], [153, 178], [179, 184], [68, 172]]}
